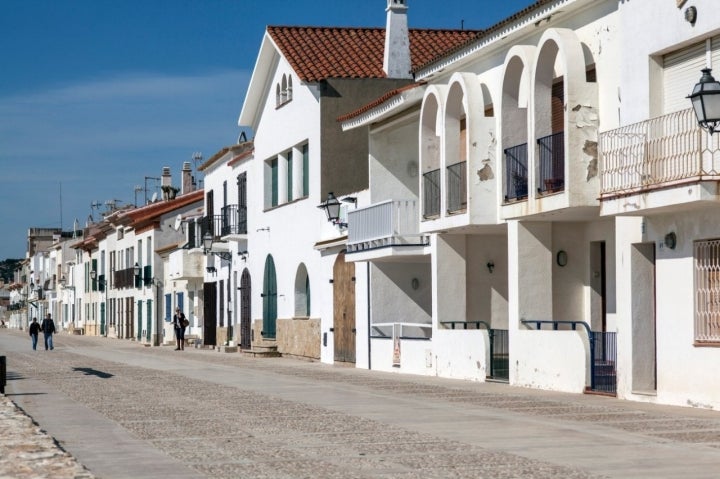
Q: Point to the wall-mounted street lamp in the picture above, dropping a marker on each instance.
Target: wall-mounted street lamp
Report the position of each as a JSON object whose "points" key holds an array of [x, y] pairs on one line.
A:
{"points": [[64, 285], [104, 284], [243, 255], [332, 210], [207, 248], [705, 99]]}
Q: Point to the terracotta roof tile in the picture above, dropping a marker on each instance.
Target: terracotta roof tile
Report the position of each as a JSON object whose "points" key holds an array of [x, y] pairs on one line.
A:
{"points": [[317, 53]]}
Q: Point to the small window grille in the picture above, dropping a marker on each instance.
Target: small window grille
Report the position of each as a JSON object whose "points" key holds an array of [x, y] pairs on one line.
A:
{"points": [[707, 291]]}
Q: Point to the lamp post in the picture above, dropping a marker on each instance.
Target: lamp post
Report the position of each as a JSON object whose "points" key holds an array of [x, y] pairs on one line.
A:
{"points": [[104, 320], [705, 99], [64, 285]]}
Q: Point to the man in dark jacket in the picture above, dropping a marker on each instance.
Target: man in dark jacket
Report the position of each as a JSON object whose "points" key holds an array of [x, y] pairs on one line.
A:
{"points": [[48, 328], [34, 331]]}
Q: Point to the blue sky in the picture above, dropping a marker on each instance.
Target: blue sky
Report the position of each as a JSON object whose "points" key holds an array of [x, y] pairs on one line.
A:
{"points": [[97, 95]]}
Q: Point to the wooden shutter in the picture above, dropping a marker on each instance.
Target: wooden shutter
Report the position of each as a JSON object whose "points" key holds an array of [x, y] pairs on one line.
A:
{"points": [[558, 106]]}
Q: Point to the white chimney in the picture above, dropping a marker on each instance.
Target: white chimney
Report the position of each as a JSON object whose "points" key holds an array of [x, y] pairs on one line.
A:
{"points": [[166, 177], [187, 181], [397, 41]]}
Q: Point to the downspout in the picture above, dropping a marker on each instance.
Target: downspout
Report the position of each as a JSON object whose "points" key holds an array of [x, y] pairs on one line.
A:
{"points": [[369, 317]]}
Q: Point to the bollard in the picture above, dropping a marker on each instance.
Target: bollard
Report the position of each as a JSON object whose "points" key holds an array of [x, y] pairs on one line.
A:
{"points": [[3, 371]]}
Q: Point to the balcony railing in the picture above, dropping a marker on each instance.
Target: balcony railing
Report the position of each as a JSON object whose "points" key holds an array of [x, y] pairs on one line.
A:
{"points": [[457, 187], [431, 194], [663, 151], [234, 220], [516, 175], [390, 223], [551, 162], [212, 224], [124, 278]]}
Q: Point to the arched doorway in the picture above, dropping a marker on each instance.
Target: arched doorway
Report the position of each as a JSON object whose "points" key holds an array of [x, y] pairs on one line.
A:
{"points": [[269, 296], [344, 309], [245, 321]]}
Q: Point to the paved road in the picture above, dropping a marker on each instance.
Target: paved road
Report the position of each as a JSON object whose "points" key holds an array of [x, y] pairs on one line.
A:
{"points": [[127, 411]]}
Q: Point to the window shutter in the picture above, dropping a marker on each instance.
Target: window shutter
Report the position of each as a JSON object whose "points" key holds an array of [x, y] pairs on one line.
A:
{"points": [[290, 176], [681, 71], [306, 171]]}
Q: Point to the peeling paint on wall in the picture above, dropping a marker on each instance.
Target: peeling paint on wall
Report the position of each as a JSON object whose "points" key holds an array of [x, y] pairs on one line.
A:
{"points": [[591, 149], [585, 117], [485, 173]]}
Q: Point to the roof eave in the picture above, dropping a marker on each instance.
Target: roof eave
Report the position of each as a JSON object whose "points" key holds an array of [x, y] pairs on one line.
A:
{"points": [[251, 109], [391, 107]]}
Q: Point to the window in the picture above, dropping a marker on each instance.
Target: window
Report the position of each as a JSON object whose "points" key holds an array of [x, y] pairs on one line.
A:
{"points": [[283, 91], [289, 160], [306, 170], [707, 291]]}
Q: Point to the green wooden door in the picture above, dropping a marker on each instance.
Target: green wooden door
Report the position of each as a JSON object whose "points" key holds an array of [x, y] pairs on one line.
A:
{"points": [[139, 320], [102, 319], [148, 334], [269, 296]]}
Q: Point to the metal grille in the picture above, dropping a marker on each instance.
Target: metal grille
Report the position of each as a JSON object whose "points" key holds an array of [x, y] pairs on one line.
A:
{"points": [[707, 291], [499, 354], [604, 373]]}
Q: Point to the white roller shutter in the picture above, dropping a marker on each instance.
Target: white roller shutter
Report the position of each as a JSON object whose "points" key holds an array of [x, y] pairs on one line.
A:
{"points": [[681, 71]]}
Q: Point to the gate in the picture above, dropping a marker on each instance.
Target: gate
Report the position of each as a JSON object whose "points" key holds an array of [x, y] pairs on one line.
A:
{"points": [[499, 355], [603, 370]]}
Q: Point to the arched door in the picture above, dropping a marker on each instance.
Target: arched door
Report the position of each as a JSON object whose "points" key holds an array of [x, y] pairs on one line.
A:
{"points": [[344, 309], [245, 312], [269, 296]]}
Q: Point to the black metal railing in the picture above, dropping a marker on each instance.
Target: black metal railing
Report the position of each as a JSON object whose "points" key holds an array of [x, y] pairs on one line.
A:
{"points": [[431, 194], [457, 187], [234, 220], [516, 174], [551, 162], [213, 225]]}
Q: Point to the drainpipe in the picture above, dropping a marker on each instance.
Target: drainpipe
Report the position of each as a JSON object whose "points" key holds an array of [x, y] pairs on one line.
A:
{"points": [[369, 319]]}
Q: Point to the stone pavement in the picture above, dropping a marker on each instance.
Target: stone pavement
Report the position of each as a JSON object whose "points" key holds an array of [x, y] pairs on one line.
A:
{"points": [[124, 410]]}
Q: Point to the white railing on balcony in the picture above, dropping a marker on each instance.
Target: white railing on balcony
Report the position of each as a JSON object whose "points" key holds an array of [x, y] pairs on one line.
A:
{"points": [[663, 151], [390, 223]]}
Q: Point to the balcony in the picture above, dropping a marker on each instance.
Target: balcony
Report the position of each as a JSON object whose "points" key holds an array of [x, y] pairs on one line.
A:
{"points": [[125, 278], [233, 220], [186, 265], [551, 162], [390, 224], [654, 156], [516, 173]]}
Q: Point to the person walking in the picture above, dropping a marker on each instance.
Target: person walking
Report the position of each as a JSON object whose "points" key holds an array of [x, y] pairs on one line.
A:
{"points": [[48, 328], [179, 324], [34, 331]]}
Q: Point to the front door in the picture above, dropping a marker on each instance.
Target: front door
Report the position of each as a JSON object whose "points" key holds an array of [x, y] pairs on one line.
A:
{"points": [[245, 321], [209, 313], [269, 296], [344, 309]]}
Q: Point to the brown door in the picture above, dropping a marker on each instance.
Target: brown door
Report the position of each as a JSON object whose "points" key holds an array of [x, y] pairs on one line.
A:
{"points": [[209, 313], [344, 309], [245, 322]]}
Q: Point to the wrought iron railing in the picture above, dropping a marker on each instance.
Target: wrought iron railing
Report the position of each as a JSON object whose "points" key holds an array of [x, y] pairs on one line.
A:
{"points": [[233, 220], [604, 370], [124, 278], [457, 187], [551, 163], [431, 194], [516, 173], [662, 151], [213, 225]]}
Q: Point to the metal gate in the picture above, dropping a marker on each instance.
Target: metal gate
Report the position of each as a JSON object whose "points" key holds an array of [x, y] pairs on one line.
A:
{"points": [[209, 313], [603, 370], [499, 355]]}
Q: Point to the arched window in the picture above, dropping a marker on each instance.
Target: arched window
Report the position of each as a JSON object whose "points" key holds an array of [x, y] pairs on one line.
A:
{"points": [[302, 292], [289, 88], [277, 95]]}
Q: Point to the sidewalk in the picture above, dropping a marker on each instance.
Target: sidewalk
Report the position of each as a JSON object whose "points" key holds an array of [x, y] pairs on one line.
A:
{"points": [[124, 410]]}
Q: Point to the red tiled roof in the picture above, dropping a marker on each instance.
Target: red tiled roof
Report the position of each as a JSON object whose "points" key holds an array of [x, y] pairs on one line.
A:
{"points": [[317, 53]]}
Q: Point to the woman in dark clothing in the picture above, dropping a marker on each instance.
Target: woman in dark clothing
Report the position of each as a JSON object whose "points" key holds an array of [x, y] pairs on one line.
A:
{"points": [[179, 322], [34, 331]]}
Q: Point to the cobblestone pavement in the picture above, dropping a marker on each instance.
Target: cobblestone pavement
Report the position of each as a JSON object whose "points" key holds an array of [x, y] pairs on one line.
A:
{"points": [[27, 452], [235, 424]]}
